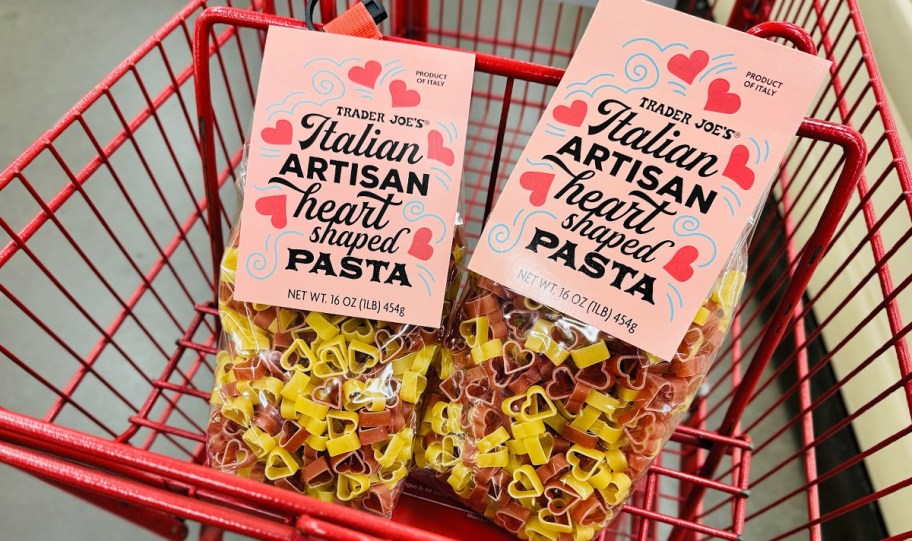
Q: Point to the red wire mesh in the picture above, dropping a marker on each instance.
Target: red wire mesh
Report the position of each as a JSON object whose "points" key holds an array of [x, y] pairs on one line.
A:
{"points": [[104, 265]]}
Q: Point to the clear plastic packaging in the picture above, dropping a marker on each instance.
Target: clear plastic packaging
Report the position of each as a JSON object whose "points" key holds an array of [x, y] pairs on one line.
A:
{"points": [[545, 424], [318, 403]]}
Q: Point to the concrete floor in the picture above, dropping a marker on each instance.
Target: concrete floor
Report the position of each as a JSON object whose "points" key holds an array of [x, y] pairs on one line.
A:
{"points": [[51, 53]]}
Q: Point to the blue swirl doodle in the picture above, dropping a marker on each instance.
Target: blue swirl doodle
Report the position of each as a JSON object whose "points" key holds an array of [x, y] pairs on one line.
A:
{"points": [[718, 57], [391, 62], [393, 72], [728, 202], [257, 262], [442, 172], [328, 85], [689, 226], [679, 92], [680, 85], [671, 306], [499, 234], [555, 127], [677, 294], [714, 68], [657, 44], [339, 64], [447, 128], [549, 132], [267, 188], [286, 98], [586, 83], [766, 143], [757, 146], [549, 165], [427, 286], [455, 130], [730, 190], [636, 69], [413, 211], [442, 182], [726, 70], [427, 270]]}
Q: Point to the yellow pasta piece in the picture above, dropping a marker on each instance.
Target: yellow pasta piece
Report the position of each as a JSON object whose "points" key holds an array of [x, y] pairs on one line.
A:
{"points": [[607, 433], [352, 485], [517, 447], [445, 365], [582, 488], [403, 363], [402, 439], [269, 389], [539, 336], [239, 409], [362, 357], [601, 478], [524, 430], [492, 440], [728, 289], [325, 492], [308, 407], [356, 329], [578, 470], [545, 520], [617, 490], [525, 483], [475, 331], [602, 401], [488, 350], [306, 357], [343, 444], [413, 384], [394, 473], [244, 389], [590, 355], [287, 409], [539, 448], [702, 316], [616, 460], [318, 443], [556, 421], [626, 395], [229, 265], [459, 478], [423, 359], [295, 386], [323, 327], [280, 463], [556, 353], [258, 441], [535, 531], [314, 426], [586, 418], [586, 533], [494, 459]]}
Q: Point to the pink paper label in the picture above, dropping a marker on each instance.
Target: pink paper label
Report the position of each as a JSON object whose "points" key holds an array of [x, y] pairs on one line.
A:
{"points": [[644, 170], [353, 177]]}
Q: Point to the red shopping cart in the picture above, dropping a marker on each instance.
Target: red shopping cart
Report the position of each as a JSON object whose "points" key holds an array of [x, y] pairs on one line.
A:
{"points": [[113, 189]]}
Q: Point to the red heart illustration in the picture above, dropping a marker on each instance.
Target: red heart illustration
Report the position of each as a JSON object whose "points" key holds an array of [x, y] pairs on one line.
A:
{"points": [[687, 68], [366, 75], [437, 151], [679, 267], [280, 135], [737, 168], [574, 115], [538, 184], [720, 100], [421, 247], [274, 207], [402, 96]]}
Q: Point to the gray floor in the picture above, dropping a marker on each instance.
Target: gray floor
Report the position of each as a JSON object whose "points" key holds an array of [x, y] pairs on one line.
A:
{"points": [[51, 53]]}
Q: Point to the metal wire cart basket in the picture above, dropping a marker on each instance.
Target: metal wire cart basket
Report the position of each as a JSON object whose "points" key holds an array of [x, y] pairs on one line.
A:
{"points": [[803, 432]]}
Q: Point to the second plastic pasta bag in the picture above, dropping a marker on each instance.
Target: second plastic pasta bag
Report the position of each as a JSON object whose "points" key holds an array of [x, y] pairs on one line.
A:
{"points": [[544, 424]]}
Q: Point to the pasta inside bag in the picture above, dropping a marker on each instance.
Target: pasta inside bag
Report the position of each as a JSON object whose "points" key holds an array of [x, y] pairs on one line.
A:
{"points": [[319, 403], [545, 424]]}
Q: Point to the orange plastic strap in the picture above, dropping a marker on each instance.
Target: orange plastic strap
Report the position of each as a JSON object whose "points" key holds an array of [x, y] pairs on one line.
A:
{"points": [[355, 21]]}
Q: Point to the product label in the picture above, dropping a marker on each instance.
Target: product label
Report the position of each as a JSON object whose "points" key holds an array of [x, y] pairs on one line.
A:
{"points": [[647, 165], [353, 176]]}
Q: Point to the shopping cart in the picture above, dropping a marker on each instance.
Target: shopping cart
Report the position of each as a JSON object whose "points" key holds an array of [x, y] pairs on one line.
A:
{"points": [[110, 200]]}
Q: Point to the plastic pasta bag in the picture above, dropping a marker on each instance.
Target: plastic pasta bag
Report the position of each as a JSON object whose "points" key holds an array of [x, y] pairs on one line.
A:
{"points": [[544, 424], [319, 403]]}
